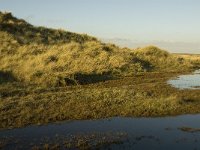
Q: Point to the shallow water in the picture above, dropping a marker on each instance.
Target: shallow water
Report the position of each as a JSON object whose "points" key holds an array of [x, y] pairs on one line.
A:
{"points": [[142, 133], [191, 81]]}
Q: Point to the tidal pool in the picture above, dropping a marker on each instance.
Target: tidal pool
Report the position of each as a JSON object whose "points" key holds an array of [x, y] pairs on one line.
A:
{"points": [[138, 133], [190, 81]]}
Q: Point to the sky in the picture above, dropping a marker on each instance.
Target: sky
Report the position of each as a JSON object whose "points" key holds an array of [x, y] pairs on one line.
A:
{"points": [[170, 24]]}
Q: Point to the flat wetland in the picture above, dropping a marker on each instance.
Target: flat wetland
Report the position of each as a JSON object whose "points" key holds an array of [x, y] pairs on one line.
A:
{"points": [[144, 95]]}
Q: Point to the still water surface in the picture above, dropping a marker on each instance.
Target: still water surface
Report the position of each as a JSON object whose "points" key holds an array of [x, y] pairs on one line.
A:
{"points": [[190, 81], [142, 133]]}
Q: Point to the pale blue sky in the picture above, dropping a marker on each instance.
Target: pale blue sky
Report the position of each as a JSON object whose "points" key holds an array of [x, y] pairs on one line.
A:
{"points": [[170, 24]]}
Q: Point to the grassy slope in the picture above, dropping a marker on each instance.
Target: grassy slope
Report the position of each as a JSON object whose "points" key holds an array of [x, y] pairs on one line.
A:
{"points": [[50, 57], [37, 63]]}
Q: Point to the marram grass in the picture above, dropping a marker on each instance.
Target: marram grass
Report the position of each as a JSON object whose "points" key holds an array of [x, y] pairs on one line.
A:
{"points": [[49, 75]]}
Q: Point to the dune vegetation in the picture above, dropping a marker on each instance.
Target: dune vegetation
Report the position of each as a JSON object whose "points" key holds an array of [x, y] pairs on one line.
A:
{"points": [[50, 57], [51, 75]]}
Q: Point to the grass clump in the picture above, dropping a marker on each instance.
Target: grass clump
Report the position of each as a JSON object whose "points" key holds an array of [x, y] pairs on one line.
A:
{"points": [[161, 60]]}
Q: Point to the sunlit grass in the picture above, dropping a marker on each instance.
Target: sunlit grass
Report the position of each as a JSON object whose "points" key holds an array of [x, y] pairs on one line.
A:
{"points": [[48, 75]]}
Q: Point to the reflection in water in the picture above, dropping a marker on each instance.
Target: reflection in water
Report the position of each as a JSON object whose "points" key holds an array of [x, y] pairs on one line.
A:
{"points": [[191, 81], [141, 133]]}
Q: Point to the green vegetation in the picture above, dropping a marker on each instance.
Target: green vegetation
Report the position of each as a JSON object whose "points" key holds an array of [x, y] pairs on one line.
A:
{"points": [[49, 57], [38, 67], [162, 60], [143, 95]]}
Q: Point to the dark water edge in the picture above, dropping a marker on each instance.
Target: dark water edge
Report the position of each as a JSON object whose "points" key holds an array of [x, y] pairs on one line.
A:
{"points": [[131, 133]]}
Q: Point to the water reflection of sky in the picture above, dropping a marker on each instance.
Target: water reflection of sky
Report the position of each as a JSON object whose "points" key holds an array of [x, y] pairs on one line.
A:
{"points": [[191, 81], [143, 133]]}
